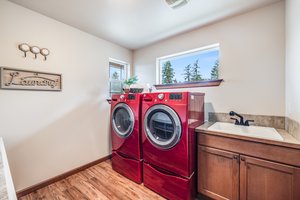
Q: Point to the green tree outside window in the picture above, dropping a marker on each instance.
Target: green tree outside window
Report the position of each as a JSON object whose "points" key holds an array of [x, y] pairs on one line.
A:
{"points": [[115, 76], [167, 73], [195, 74], [215, 71], [187, 73]]}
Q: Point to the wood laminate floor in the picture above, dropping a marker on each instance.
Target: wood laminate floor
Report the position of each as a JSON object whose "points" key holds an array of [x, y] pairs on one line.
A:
{"points": [[95, 183]]}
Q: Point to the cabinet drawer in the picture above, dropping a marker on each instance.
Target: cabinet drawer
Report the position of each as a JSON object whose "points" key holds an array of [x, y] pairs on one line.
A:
{"points": [[169, 185], [128, 167], [275, 153]]}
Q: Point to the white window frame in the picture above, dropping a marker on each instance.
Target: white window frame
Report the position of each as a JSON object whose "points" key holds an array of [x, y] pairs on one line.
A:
{"points": [[119, 62], [159, 69]]}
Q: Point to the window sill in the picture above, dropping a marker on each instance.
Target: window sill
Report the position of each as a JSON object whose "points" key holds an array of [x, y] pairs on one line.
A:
{"points": [[210, 83]]}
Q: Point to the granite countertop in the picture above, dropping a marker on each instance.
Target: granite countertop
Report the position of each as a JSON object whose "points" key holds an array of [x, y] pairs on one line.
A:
{"points": [[7, 190], [288, 140]]}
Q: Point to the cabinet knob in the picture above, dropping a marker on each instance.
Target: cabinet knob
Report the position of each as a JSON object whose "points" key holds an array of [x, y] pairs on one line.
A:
{"points": [[243, 158], [235, 157]]}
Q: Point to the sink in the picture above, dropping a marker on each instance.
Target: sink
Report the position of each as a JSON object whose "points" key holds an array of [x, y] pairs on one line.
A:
{"points": [[250, 131]]}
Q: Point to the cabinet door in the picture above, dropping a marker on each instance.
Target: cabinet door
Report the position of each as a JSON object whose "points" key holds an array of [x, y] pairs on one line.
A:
{"points": [[218, 173], [264, 180]]}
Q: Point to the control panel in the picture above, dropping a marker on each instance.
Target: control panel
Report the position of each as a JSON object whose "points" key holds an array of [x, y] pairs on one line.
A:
{"points": [[168, 96], [131, 97], [175, 96], [164, 97]]}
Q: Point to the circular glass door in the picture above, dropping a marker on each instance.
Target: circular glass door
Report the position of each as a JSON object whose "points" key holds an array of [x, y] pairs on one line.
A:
{"points": [[162, 126], [122, 120]]}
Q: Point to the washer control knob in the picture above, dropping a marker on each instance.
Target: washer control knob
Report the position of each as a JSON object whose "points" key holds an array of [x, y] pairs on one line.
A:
{"points": [[122, 97], [160, 96]]}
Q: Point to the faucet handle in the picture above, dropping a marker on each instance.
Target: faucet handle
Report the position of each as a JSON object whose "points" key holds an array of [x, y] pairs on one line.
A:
{"points": [[236, 121], [247, 122]]}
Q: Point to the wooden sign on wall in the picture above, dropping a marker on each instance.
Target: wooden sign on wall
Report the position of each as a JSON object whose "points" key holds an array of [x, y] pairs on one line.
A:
{"points": [[17, 79]]}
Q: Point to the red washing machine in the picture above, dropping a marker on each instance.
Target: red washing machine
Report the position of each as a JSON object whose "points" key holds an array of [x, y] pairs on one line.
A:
{"points": [[169, 142], [126, 135]]}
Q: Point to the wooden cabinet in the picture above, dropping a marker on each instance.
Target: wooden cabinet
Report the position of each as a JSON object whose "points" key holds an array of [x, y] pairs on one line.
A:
{"points": [[265, 180], [218, 173], [224, 175]]}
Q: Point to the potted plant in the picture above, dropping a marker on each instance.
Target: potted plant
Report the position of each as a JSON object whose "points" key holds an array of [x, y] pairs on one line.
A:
{"points": [[128, 82]]}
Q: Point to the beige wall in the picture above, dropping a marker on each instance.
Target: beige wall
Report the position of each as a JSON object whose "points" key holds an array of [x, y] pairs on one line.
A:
{"points": [[48, 133], [252, 61], [292, 60]]}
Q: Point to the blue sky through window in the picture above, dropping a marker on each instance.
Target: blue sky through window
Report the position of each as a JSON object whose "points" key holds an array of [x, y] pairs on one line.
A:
{"points": [[206, 61]]}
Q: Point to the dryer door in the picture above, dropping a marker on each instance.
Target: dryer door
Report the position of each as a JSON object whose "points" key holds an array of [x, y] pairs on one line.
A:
{"points": [[162, 126], [122, 120]]}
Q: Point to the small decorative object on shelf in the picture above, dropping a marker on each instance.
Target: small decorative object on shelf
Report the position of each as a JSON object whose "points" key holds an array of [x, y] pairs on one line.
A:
{"points": [[128, 82], [35, 50], [126, 90], [149, 87]]}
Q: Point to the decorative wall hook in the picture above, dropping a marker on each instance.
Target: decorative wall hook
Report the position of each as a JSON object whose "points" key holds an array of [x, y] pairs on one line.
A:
{"points": [[45, 52], [24, 47], [35, 50]]}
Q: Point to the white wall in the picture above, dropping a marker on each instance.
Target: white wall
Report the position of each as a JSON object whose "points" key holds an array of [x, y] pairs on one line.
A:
{"points": [[252, 61], [48, 133], [292, 59]]}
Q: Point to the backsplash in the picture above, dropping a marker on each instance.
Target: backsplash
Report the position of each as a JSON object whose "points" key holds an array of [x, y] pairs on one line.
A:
{"points": [[292, 127], [259, 120]]}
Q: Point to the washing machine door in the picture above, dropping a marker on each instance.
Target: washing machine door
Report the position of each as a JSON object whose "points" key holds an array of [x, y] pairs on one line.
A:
{"points": [[122, 120], [162, 126]]}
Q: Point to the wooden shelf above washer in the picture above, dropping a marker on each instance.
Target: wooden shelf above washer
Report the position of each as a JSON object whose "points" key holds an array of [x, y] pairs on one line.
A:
{"points": [[209, 83]]}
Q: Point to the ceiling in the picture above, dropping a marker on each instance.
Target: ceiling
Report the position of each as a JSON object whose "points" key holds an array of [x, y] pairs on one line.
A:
{"points": [[137, 23]]}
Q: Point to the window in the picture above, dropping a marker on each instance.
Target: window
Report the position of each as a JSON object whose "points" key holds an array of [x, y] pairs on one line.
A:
{"points": [[117, 75], [196, 65]]}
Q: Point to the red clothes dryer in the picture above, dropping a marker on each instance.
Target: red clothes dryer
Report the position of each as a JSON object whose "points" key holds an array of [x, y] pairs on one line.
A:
{"points": [[169, 142], [126, 136]]}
